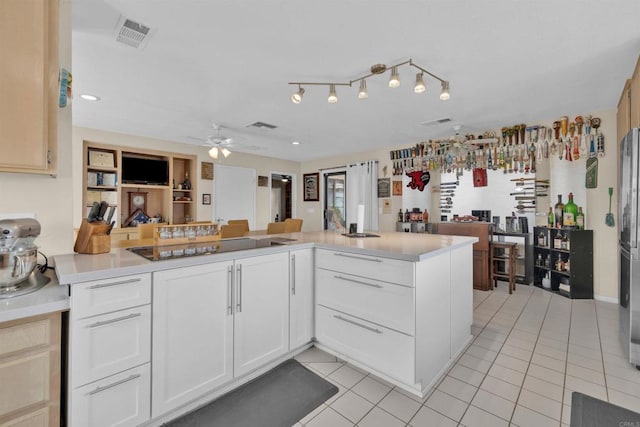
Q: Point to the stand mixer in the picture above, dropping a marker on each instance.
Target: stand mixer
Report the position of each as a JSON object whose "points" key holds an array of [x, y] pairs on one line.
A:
{"points": [[18, 255]]}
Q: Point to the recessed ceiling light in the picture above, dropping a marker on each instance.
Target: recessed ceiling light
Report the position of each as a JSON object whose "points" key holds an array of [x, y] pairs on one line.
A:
{"points": [[296, 143], [89, 97]]}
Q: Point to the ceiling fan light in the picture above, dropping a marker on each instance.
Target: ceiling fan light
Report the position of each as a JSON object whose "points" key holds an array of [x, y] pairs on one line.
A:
{"points": [[225, 152], [333, 96], [213, 153], [419, 86], [394, 81], [362, 92], [444, 94], [296, 98]]}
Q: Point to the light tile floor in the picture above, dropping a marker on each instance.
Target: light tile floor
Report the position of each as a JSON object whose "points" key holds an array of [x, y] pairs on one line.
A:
{"points": [[530, 351]]}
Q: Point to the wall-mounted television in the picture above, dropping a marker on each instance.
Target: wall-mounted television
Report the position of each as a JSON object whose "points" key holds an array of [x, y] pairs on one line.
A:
{"points": [[138, 170]]}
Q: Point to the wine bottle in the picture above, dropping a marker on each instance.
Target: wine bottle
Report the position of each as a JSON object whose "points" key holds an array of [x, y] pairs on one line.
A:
{"points": [[551, 219], [570, 213], [580, 219], [558, 211]]}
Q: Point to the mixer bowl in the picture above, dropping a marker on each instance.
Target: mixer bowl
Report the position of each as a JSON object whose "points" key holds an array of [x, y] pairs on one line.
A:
{"points": [[16, 265]]}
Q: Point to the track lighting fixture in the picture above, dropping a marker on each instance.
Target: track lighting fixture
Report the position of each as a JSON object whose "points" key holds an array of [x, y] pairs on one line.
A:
{"points": [[394, 82], [419, 86], [333, 97], [444, 94], [362, 93], [296, 98]]}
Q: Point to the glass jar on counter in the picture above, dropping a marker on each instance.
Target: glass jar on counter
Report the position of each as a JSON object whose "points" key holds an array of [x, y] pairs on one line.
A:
{"points": [[177, 232], [165, 232], [190, 232]]}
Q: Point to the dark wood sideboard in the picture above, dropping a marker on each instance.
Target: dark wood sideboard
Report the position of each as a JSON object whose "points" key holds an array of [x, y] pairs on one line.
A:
{"points": [[481, 230]]}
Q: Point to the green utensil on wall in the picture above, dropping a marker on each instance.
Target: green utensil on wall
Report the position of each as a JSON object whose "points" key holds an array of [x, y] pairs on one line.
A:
{"points": [[609, 218]]}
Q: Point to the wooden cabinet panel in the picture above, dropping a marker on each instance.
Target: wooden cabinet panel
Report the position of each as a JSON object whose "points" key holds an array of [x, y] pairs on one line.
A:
{"points": [[634, 106], [624, 111], [28, 84], [30, 371]]}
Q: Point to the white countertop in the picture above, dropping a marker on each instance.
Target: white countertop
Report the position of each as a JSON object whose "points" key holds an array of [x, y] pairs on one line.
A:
{"points": [[48, 299], [74, 268]]}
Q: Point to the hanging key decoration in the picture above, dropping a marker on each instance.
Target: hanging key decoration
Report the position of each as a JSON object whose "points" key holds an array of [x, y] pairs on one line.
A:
{"points": [[556, 136], [595, 122], [576, 141]]}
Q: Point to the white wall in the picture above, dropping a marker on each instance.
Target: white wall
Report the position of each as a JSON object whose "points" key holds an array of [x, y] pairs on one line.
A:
{"points": [[262, 165]]}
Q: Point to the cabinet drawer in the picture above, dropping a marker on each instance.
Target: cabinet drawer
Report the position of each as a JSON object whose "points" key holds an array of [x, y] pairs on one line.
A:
{"points": [[107, 344], [25, 335], [120, 400], [384, 350], [386, 269], [25, 381], [379, 302], [103, 296]]}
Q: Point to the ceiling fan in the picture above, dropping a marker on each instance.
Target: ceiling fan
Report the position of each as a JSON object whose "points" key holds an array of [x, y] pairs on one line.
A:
{"points": [[219, 143]]}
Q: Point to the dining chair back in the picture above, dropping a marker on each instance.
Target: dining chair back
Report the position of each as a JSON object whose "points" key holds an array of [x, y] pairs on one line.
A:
{"points": [[292, 225], [275, 228], [230, 230], [242, 222]]}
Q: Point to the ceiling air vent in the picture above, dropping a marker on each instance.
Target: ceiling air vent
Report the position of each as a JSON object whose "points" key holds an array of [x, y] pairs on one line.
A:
{"points": [[436, 122], [262, 125], [132, 33]]}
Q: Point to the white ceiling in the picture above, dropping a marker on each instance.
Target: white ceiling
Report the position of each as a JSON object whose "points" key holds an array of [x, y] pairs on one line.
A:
{"points": [[229, 62]]}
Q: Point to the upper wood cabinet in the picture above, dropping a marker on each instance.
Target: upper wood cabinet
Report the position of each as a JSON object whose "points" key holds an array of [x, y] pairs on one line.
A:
{"points": [[634, 89], [624, 111], [28, 84]]}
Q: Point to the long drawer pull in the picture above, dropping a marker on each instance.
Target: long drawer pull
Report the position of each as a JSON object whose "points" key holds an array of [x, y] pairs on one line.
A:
{"points": [[369, 328], [373, 285], [106, 387], [118, 319], [122, 282], [358, 257]]}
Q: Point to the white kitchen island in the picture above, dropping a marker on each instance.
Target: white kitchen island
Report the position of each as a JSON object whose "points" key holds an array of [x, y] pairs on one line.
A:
{"points": [[171, 335]]}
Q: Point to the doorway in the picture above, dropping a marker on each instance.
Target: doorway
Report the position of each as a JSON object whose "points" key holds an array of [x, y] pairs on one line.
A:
{"points": [[282, 191], [335, 195]]}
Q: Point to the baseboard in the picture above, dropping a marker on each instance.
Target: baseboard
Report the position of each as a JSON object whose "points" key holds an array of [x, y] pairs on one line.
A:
{"points": [[606, 299]]}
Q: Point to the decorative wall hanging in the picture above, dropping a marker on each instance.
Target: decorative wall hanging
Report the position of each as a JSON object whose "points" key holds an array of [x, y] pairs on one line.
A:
{"points": [[397, 188], [311, 187], [206, 169], [263, 181], [418, 179], [384, 187], [206, 199]]}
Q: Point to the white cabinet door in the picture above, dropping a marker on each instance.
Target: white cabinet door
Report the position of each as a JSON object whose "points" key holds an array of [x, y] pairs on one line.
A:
{"points": [[192, 333], [261, 321], [301, 298]]}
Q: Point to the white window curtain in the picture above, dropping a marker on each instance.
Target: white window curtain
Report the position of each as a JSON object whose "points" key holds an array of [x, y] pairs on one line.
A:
{"points": [[362, 189]]}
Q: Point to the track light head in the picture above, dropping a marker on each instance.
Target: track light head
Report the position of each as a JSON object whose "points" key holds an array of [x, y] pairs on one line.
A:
{"points": [[296, 98], [419, 86], [333, 96], [444, 94], [362, 92], [394, 80]]}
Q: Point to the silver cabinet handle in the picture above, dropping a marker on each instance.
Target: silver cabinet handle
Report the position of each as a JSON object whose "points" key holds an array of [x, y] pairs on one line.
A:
{"points": [[239, 289], [293, 274], [348, 279], [358, 257], [230, 290], [122, 282], [106, 387], [117, 319], [368, 328]]}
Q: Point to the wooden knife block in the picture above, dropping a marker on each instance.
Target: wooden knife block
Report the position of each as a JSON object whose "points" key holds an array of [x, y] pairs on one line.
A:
{"points": [[93, 238]]}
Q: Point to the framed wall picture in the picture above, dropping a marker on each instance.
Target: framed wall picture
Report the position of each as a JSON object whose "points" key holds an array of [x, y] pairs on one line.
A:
{"points": [[311, 187], [206, 170], [397, 188], [206, 199], [384, 187]]}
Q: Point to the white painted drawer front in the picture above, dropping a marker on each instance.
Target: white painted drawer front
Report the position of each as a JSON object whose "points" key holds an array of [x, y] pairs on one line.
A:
{"points": [[379, 302], [120, 400], [387, 351], [103, 296], [107, 344], [386, 269]]}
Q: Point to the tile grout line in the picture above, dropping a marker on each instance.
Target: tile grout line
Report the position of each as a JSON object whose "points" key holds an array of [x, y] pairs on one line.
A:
{"points": [[604, 368]]}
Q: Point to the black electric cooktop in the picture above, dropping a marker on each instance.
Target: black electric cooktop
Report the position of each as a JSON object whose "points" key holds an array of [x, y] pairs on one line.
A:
{"points": [[159, 253]]}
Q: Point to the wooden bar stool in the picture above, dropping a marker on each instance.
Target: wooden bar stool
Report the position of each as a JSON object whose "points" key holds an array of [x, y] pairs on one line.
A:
{"points": [[503, 263]]}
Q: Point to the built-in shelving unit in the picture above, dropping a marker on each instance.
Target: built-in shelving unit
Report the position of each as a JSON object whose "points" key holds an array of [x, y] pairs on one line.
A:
{"points": [[102, 181], [563, 261]]}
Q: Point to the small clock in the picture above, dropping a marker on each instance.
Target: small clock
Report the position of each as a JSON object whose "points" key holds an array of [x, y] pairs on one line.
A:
{"points": [[137, 201]]}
